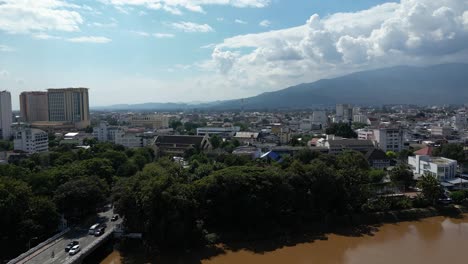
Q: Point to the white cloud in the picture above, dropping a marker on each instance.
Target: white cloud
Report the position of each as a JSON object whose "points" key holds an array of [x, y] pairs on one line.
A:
{"points": [[414, 32], [44, 36], [111, 24], [222, 19], [90, 39], [174, 6], [265, 23], [6, 48], [163, 35], [192, 27], [238, 21], [24, 16], [141, 33]]}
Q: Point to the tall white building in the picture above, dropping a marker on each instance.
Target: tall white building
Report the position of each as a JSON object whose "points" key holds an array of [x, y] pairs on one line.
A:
{"points": [[5, 115], [31, 140], [389, 138]]}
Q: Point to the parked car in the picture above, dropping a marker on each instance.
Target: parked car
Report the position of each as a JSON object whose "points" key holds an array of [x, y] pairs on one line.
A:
{"points": [[74, 250], [100, 231], [114, 218], [70, 245]]}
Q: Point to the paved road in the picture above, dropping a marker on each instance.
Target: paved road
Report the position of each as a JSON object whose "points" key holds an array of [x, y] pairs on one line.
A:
{"points": [[44, 255]]}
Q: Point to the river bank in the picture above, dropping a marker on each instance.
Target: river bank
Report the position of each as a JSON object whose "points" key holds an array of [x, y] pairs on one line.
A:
{"points": [[355, 226]]}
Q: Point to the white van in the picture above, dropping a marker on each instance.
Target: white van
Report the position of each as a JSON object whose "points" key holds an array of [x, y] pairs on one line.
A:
{"points": [[93, 229]]}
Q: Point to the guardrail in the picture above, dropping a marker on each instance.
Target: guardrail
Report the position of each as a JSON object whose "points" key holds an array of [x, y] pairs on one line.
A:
{"points": [[36, 248]]}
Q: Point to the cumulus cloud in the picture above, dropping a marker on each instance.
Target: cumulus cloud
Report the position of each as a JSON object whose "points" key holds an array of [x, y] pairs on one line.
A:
{"points": [[24, 16], [174, 6], [413, 32], [192, 27], [239, 21], [90, 39]]}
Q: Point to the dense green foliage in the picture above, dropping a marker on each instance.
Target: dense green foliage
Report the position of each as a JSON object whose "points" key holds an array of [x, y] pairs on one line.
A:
{"points": [[36, 191], [431, 189], [178, 207], [450, 151]]}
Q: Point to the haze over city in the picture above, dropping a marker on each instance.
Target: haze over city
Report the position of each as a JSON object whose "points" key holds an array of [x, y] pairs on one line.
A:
{"points": [[183, 51]]}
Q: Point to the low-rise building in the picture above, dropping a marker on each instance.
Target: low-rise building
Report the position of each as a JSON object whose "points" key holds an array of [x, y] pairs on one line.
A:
{"points": [[178, 145], [225, 132], [340, 145], [247, 137], [150, 121], [104, 132], [443, 131], [442, 168], [31, 140], [377, 159]]}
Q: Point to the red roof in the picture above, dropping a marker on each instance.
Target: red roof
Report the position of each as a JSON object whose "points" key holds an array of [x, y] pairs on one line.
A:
{"points": [[424, 151]]}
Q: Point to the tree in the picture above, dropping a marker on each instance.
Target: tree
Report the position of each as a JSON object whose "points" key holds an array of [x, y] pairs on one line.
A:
{"points": [[306, 155], [215, 141], [451, 151], [80, 197], [431, 189], [341, 130], [391, 154], [376, 176], [402, 174]]}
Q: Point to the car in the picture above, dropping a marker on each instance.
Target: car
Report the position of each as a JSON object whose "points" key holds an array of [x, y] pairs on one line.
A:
{"points": [[70, 245], [114, 218], [74, 250], [100, 231]]}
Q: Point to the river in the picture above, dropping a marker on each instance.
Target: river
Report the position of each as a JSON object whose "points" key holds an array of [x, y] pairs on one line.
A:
{"points": [[432, 240]]}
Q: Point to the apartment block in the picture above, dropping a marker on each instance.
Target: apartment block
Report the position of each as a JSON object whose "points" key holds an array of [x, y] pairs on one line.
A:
{"points": [[34, 106], [6, 116], [69, 105]]}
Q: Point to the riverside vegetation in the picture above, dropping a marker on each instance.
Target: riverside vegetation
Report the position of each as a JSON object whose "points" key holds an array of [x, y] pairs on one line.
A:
{"points": [[215, 198]]}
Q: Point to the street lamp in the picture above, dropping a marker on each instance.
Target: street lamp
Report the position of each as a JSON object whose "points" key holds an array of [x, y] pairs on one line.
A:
{"points": [[29, 243]]}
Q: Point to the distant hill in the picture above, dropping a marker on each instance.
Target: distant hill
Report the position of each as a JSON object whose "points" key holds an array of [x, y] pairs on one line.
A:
{"points": [[439, 84], [432, 85]]}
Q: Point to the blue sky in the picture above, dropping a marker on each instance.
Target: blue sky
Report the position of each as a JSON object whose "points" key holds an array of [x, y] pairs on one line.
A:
{"points": [[133, 51]]}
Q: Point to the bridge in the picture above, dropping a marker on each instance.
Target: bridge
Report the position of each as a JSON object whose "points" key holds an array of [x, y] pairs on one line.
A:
{"points": [[52, 251]]}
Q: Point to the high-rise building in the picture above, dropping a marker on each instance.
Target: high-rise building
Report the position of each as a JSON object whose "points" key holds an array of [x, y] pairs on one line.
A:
{"points": [[5, 115], [344, 113], [69, 105], [34, 106], [389, 138]]}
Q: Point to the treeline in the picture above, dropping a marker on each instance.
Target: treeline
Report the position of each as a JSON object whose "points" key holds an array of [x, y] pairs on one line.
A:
{"points": [[177, 207], [36, 191]]}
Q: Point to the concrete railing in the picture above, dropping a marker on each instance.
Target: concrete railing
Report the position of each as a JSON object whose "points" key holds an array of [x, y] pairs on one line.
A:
{"points": [[27, 255], [85, 251]]}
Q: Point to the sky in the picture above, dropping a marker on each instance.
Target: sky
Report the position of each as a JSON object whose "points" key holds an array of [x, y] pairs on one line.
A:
{"points": [[136, 51]]}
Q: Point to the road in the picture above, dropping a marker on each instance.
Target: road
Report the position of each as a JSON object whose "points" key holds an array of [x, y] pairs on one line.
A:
{"points": [[57, 248]]}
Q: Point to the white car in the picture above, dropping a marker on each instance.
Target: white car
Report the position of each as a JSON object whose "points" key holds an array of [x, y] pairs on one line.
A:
{"points": [[74, 250]]}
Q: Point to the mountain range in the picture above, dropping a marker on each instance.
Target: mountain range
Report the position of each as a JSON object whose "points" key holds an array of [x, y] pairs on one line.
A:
{"points": [[431, 85]]}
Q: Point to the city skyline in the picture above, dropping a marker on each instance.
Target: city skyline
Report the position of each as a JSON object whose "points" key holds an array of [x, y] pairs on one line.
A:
{"points": [[166, 51]]}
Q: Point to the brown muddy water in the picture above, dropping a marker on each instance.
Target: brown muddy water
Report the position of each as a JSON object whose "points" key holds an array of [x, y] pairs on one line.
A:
{"points": [[432, 240]]}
